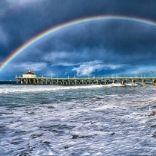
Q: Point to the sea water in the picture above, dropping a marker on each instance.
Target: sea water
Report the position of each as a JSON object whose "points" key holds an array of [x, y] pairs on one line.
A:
{"points": [[73, 121]]}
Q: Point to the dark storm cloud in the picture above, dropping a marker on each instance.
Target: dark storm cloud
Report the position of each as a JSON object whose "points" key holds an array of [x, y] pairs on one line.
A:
{"points": [[23, 19], [109, 40], [116, 47], [113, 42]]}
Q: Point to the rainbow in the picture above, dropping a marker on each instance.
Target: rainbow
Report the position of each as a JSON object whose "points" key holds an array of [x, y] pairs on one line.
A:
{"points": [[65, 25]]}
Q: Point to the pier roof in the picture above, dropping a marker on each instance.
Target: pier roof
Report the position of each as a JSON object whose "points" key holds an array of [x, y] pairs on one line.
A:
{"points": [[30, 72]]}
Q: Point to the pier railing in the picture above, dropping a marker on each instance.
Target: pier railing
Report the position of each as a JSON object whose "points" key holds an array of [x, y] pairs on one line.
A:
{"points": [[87, 81]]}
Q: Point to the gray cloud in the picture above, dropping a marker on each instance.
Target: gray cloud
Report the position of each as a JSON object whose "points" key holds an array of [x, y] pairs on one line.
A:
{"points": [[29, 66], [4, 37], [88, 68]]}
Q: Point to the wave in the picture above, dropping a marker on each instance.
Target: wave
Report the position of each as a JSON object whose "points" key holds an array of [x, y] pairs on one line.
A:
{"points": [[31, 88], [27, 89]]}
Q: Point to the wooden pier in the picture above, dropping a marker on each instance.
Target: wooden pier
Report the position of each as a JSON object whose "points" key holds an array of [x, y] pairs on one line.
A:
{"points": [[86, 81]]}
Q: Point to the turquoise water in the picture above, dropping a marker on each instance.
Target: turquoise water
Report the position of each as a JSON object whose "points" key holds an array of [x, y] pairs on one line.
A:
{"points": [[95, 120]]}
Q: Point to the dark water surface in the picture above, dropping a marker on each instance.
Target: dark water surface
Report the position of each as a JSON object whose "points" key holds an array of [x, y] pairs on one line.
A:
{"points": [[73, 121]]}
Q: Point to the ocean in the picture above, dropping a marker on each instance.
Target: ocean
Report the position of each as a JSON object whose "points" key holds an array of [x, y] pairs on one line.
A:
{"points": [[77, 121]]}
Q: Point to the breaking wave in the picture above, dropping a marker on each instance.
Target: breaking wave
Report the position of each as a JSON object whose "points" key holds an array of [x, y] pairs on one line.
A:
{"points": [[31, 88], [45, 88]]}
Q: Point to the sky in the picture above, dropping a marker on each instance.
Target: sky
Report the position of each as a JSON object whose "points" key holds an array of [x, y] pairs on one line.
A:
{"points": [[106, 47]]}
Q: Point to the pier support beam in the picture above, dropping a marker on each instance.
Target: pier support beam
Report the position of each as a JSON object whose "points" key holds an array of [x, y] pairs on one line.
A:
{"points": [[144, 83], [133, 82], [113, 82], [123, 83], [154, 82]]}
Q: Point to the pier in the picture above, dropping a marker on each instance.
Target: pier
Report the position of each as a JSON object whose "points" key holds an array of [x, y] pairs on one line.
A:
{"points": [[30, 78], [86, 81]]}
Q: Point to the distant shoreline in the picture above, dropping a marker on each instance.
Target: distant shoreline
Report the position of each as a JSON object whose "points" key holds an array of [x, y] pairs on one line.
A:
{"points": [[7, 82]]}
